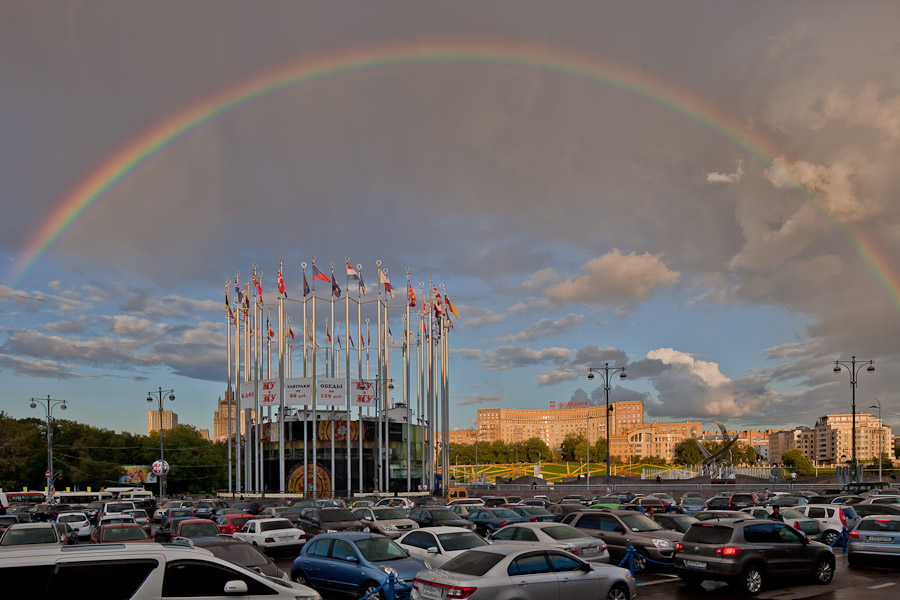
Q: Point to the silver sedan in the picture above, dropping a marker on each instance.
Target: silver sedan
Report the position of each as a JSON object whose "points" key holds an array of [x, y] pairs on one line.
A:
{"points": [[508, 572], [878, 535], [554, 535]]}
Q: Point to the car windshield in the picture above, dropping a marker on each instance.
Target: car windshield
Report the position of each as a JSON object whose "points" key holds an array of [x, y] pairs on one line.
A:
{"points": [[505, 513], [17, 537], [693, 502], [288, 513], [606, 500], [273, 525], [535, 511], [563, 532], [461, 541], [194, 530], [331, 516], [137, 514], [473, 562], [448, 515], [242, 554], [638, 522], [71, 518], [792, 514], [879, 525], [181, 512], [390, 514], [122, 534], [380, 549], [708, 534], [121, 507]]}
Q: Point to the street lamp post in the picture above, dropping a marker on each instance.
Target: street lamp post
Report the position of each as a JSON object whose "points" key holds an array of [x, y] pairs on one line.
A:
{"points": [[49, 404], [880, 436], [589, 451], [854, 372], [606, 372], [476, 456], [162, 457]]}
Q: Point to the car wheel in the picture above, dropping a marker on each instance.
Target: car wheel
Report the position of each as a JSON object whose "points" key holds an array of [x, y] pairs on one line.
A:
{"points": [[852, 560], [829, 537], [617, 592], [640, 562], [824, 570], [369, 587], [300, 577], [751, 580]]}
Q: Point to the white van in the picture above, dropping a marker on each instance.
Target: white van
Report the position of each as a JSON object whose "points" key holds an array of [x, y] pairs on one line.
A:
{"points": [[136, 495], [136, 571]]}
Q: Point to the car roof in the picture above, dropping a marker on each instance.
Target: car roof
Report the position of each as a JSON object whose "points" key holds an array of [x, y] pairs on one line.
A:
{"points": [[349, 535], [443, 529], [538, 524]]}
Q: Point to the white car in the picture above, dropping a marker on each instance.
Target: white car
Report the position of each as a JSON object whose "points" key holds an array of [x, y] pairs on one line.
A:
{"points": [[437, 545], [140, 517], [115, 507], [272, 534], [78, 521], [832, 519], [396, 501], [158, 514], [547, 534]]}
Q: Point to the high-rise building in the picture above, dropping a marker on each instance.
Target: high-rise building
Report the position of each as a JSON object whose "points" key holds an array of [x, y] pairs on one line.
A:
{"points": [[654, 439], [169, 420], [220, 420], [831, 440], [561, 419]]}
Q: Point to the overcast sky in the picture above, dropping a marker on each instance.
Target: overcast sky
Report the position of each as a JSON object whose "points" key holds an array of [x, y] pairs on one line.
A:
{"points": [[702, 191]]}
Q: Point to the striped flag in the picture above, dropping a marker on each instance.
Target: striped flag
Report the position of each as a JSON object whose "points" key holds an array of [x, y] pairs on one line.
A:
{"points": [[353, 274], [450, 306], [383, 279], [317, 274], [281, 283], [412, 296], [269, 327]]}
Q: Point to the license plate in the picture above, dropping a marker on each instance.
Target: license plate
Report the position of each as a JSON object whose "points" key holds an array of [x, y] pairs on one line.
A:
{"points": [[695, 564], [877, 538], [590, 550], [431, 591]]}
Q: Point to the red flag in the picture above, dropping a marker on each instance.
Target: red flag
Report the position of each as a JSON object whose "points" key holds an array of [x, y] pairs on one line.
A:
{"points": [[256, 285], [269, 327], [412, 296], [291, 333], [317, 274], [327, 333], [281, 283], [438, 304]]}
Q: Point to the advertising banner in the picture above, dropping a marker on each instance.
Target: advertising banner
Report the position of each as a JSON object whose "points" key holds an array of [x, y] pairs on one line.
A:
{"points": [[248, 395], [269, 392], [363, 393], [331, 391], [298, 391]]}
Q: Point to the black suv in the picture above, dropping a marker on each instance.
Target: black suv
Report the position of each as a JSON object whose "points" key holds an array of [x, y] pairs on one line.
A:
{"points": [[623, 528], [314, 521], [749, 552]]}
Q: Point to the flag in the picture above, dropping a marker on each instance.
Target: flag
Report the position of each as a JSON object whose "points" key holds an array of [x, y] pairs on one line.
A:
{"points": [[383, 279], [269, 327], [281, 283], [237, 288], [305, 285], [327, 333], [368, 340], [390, 335], [246, 302], [228, 306], [335, 289], [290, 331], [362, 341], [352, 343], [317, 274], [257, 285], [354, 274], [438, 304], [450, 306], [308, 334], [412, 296]]}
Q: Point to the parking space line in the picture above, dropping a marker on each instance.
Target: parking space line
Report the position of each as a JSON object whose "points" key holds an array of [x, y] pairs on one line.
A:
{"points": [[883, 585], [642, 583]]}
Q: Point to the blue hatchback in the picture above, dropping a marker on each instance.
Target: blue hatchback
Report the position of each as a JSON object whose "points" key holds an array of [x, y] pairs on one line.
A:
{"points": [[355, 563], [489, 520]]}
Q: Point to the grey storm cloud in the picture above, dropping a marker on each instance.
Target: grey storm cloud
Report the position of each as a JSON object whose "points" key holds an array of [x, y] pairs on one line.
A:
{"points": [[546, 326], [38, 368], [66, 326], [469, 399]]}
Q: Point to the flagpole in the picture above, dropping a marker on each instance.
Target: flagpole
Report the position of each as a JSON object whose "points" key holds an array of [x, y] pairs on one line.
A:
{"points": [[360, 429], [257, 316], [368, 411], [228, 375], [445, 406], [237, 387], [347, 443], [386, 403], [432, 420], [420, 384], [406, 394], [281, 414], [248, 437], [315, 390], [378, 412]]}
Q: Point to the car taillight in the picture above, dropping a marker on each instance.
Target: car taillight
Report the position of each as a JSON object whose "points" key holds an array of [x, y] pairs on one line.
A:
{"points": [[854, 535], [503, 523], [453, 591], [796, 524], [679, 546], [270, 540], [843, 520], [533, 519], [728, 551]]}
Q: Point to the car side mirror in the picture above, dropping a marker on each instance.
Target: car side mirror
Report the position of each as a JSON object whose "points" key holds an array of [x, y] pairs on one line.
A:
{"points": [[585, 567], [432, 550], [236, 587], [619, 529], [351, 559]]}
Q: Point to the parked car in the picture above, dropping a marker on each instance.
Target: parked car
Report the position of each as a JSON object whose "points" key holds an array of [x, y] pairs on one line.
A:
{"points": [[612, 502], [749, 553], [504, 572], [560, 511], [282, 512], [489, 520], [666, 498], [140, 517], [78, 521], [47, 513], [38, 534], [314, 521], [690, 505], [492, 501], [799, 521], [554, 535], [136, 571], [439, 517], [163, 510], [116, 507], [386, 520], [644, 504], [240, 552], [355, 563], [787, 500], [205, 509], [11, 519], [533, 513], [121, 533], [877, 536], [437, 545], [832, 518], [543, 502], [867, 510], [232, 523], [621, 529], [272, 534], [744, 500], [717, 515], [461, 509], [674, 521]]}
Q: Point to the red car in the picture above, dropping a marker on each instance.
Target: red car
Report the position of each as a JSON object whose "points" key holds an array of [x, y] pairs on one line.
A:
{"points": [[121, 533], [232, 523]]}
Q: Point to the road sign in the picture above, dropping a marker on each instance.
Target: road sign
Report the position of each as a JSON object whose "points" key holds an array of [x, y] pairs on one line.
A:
{"points": [[46, 474]]}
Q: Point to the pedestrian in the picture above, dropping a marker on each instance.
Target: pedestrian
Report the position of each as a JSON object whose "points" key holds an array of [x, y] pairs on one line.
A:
{"points": [[767, 495], [793, 476], [776, 514]]}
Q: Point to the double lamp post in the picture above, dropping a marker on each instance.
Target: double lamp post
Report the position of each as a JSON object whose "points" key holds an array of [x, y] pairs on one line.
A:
{"points": [[49, 404], [162, 457], [605, 372]]}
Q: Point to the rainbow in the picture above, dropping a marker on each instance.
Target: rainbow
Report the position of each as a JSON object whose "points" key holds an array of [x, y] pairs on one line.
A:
{"points": [[87, 195]]}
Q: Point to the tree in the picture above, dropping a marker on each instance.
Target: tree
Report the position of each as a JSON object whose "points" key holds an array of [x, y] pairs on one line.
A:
{"points": [[568, 448], [687, 452], [795, 460]]}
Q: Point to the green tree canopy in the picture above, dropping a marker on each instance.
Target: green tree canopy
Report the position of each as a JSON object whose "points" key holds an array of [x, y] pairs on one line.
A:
{"points": [[794, 460]]}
